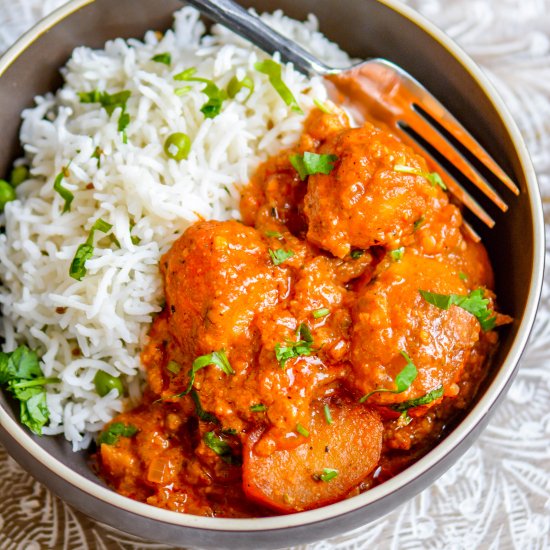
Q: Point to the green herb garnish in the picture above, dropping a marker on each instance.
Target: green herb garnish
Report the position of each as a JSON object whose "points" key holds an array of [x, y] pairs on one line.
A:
{"points": [[220, 447], [110, 102], [473, 303], [22, 376], [328, 416], [280, 255], [218, 358], [322, 312], [289, 350], [173, 367], [403, 380], [301, 430], [260, 407], [462, 276], [63, 191], [85, 251], [312, 163], [216, 97], [418, 223], [115, 431], [199, 411], [322, 106], [433, 177], [326, 475], [235, 86], [356, 254], [164, 58], [424, 400], [274, 234], [397, 254], [274, 72]]}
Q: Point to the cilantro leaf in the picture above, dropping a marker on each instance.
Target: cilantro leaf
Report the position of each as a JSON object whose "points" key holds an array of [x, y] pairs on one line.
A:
{"points": [[218, 358], [403, 380], [22, 376], [63, 191], [199, 411], [164, 58], [110, 102], [85, 251], [115, 431], [473, 303], [289, 350], [280, 255], [220, 447], [433, 177], [424, 400], [326, 475], [274, 72], [235, 86], [397, 254], [216, 97], [312, 163]]}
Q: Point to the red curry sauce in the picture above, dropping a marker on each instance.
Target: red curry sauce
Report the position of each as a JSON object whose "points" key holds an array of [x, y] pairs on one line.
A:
{"points": [[297, 317]]}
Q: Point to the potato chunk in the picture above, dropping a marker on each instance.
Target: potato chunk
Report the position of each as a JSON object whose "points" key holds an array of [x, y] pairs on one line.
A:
{"points": [[392, 317]]}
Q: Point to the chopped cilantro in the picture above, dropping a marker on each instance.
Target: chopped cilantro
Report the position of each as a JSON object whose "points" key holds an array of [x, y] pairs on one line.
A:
{"points": [[433, 177], [403, 380], [63, 191], [301, 430], [115, 431], [280, 255], [473, 303], [220, 447], [218, 358], [326, 475], [110, 102], [397, 254], [328, 416], [235, 86], [260, 407], [274, 72], [312, 163], [322, 312], [22, 376], [356, 254], [164, 58], [84, 252], [424, 400], [212, 108]]}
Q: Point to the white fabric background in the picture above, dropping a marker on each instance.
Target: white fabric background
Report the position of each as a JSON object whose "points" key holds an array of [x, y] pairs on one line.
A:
{"points": [[498, 495]]}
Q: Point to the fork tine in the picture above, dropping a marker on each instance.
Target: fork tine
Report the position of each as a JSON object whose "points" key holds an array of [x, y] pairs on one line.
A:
{"points": [[439, 142], [425, 101], [452, 184]]}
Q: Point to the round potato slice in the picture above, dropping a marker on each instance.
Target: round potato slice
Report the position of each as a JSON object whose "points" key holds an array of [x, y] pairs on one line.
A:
{"points": [[333, 459]]}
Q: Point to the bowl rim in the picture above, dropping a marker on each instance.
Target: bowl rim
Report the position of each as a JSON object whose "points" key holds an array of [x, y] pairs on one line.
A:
{"points": [[476, 415]]}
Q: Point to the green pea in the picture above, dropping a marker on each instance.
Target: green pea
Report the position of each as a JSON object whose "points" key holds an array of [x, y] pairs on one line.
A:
{"points": [[177, 146], [7, 194], [18, 175], [104, 383]]}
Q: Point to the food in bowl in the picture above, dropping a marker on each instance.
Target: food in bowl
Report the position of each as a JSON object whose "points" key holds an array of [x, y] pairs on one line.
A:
{"points": [[349, 220]]}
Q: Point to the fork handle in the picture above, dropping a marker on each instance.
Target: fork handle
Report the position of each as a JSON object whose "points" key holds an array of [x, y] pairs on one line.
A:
{"points": [[251, 27]]}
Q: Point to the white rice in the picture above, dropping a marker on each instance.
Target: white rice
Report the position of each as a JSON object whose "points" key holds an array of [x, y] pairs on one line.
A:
{"points": [[105, 316]]}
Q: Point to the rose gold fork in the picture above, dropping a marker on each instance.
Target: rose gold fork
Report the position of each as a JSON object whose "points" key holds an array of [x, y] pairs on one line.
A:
{"points": [[380, 90]]}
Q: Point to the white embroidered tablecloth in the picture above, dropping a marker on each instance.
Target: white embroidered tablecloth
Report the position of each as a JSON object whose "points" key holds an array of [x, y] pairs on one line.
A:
{"points": [[498, 495]]}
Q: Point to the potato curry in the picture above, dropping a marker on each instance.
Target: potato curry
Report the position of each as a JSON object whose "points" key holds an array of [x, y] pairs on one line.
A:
{"points": [[318, 347]]}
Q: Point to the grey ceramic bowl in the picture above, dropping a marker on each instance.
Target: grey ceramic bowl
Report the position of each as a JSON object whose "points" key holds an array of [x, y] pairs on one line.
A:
{"points": [[365, 28]]}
